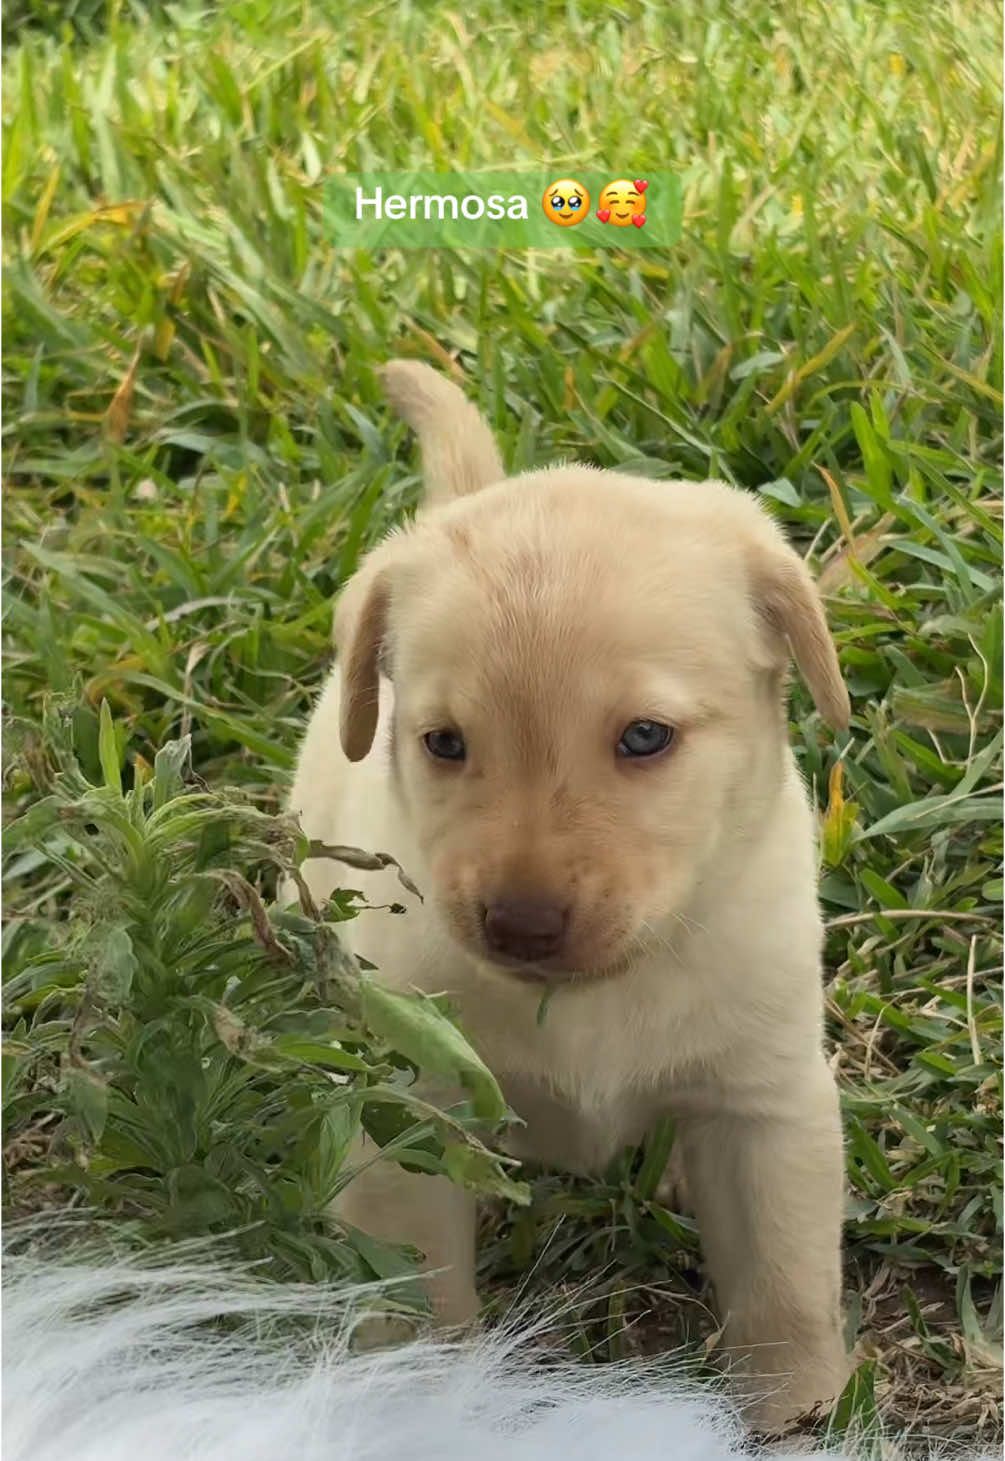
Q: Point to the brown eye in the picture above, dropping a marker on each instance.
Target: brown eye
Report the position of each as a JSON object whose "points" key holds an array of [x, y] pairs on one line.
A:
{"points": [[645, 738], [445, 745]]}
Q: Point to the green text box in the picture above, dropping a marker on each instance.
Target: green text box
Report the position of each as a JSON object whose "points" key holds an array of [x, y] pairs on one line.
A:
{"points": [[421, 210]]}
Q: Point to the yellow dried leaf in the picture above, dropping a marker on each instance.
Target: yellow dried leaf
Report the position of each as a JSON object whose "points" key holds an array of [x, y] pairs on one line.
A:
{"points": [[119, 214], [121, 406], [42, 211], [838, 573], [838, 822]]}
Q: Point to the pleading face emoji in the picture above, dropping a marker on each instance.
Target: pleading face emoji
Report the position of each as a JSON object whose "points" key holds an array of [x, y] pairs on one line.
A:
{"points": [[566, 202]]}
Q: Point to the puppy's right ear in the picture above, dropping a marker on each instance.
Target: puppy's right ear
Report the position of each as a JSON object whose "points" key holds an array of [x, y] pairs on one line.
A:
{"points": [[459, 454], [360, 627], [791, 610]]}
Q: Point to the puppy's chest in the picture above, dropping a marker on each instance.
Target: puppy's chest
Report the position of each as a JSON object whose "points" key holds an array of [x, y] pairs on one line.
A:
{"points": [[599, 1041]]}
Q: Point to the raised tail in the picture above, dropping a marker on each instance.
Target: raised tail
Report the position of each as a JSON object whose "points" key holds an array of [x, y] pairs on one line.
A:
{"points": [[459, 454]]}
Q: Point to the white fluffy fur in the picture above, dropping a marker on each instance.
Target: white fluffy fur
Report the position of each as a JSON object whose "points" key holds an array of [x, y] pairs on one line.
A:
{"points": [[139, 1380]]}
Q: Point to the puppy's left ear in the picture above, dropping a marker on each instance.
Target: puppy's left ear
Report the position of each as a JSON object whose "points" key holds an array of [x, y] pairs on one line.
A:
{"points": [[360, 629], [790, 608]]}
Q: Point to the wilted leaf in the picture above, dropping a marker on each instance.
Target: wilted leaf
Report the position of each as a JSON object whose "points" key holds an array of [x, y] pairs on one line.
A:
{"points": [[366, 861], [479, 1172], [121, 405], [249, 899], [237, 1037]]}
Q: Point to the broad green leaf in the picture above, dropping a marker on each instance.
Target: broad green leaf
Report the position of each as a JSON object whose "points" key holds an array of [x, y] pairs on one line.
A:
{"points": [[316, 1053], [855, 1410], [86, 1098], [113, 964], [420, 1032], [387, 1260]]}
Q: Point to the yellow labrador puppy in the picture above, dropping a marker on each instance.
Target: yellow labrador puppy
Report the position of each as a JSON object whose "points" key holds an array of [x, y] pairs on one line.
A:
{"points": [[560, 704]]}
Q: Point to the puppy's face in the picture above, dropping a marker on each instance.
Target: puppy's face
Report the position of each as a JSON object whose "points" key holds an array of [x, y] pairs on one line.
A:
{"points": [[587, 680]]}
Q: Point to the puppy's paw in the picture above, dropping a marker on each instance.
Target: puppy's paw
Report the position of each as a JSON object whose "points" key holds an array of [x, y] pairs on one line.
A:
{"points": [[788, 1404], [454, 1306], [385, 1331]]}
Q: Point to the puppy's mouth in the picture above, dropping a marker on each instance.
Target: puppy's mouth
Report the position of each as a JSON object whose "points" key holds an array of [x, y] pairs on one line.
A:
{"points": [[541, 971], [544, 972]]}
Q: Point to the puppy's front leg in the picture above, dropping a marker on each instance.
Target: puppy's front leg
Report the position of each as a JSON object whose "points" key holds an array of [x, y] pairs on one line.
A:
{"points": [[767, 1190], [431, 1213]]}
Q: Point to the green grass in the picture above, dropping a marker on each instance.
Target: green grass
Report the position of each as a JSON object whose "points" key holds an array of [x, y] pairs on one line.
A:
{"points": [[196, 454], [210, 1067]]}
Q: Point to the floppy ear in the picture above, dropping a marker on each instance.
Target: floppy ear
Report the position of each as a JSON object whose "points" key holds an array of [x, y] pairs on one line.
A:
{"points": [[790, 607], [459, 454], [360, 627]]}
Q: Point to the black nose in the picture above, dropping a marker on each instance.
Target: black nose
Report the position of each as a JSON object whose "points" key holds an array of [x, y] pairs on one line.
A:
{"points": [[525, 928]]}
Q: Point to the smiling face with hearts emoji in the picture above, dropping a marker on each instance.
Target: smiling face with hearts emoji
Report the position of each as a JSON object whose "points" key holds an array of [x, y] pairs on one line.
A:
{"points": [[623, 203]]}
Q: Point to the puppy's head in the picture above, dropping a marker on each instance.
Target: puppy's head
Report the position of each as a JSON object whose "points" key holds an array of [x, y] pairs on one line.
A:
{"points": [[588, 674]]}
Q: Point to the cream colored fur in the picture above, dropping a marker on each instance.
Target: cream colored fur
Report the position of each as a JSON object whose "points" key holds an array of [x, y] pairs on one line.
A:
{"points": [[538, 617]]}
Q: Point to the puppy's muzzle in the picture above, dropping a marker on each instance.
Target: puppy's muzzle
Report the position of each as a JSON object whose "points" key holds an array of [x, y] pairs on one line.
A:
{"points": [[526, 929]]}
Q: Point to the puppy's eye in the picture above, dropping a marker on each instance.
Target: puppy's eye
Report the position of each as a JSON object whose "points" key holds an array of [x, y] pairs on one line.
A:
{"points": [[575, 202], [645, 738], [445, 745], [558, 201]]}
